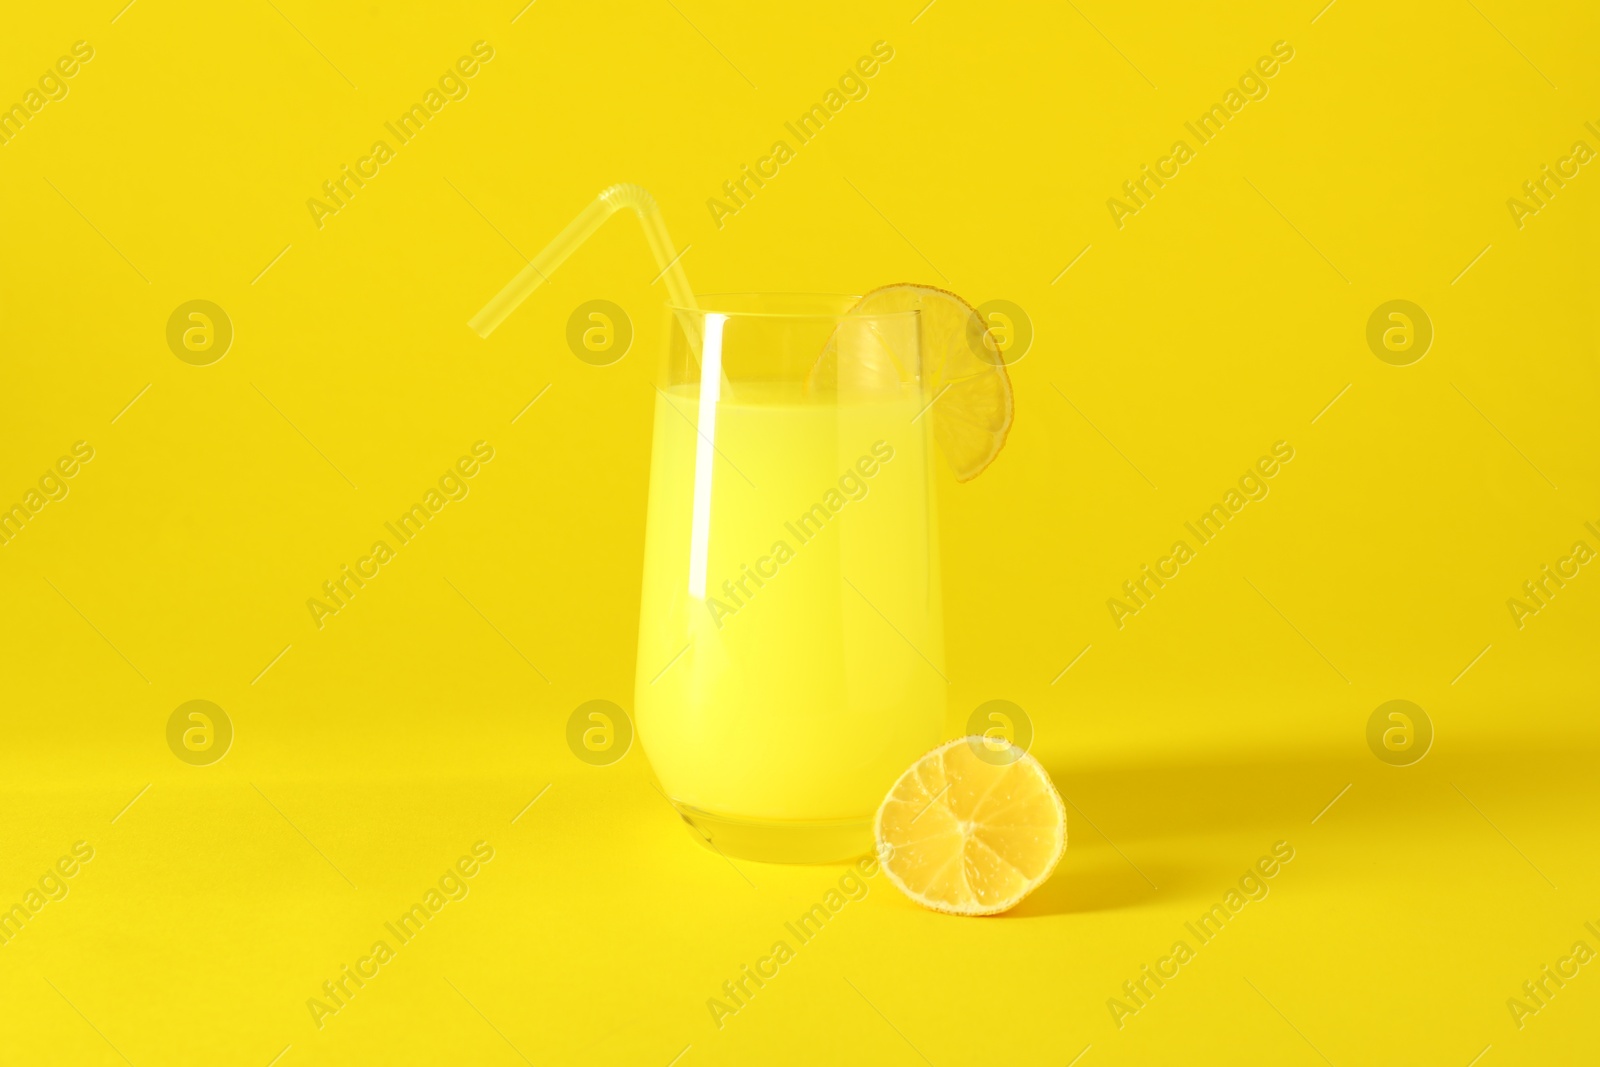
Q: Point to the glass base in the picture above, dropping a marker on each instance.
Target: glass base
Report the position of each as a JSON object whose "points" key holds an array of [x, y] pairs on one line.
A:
{"points": [[779, 840]]}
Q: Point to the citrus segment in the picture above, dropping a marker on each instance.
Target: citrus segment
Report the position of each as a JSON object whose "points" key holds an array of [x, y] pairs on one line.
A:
{"points": [[965, 835], [967, 384]]}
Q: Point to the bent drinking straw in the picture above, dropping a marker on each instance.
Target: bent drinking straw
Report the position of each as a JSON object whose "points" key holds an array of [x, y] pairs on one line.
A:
{"points": [[579, 230]]}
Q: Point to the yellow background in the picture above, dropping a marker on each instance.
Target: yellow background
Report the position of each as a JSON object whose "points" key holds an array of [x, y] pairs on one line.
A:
{"points": [[1223, 317]]}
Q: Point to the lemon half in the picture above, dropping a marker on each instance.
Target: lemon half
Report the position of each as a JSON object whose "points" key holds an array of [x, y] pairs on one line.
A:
{"points": [[964, 835]]}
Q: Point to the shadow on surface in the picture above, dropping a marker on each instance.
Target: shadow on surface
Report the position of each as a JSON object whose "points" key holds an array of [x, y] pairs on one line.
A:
{"points": [[1186, 831]]}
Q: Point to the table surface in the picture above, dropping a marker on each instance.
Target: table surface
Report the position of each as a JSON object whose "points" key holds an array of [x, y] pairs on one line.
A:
{"points": [[218, 901]]}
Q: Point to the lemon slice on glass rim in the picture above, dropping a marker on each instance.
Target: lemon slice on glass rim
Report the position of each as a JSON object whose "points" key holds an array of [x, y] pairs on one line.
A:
{"points": [[964, 380], [971, 828]]}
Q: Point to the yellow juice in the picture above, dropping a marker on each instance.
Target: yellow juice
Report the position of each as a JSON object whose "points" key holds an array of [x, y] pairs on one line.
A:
{"points": [[790, 640]]}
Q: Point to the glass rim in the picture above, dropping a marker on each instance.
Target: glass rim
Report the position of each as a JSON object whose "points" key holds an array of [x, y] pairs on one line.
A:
{"points": [[847, 299]]}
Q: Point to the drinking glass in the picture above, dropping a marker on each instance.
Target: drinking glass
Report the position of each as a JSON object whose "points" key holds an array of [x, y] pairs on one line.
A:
{"points": [[790, 635]]}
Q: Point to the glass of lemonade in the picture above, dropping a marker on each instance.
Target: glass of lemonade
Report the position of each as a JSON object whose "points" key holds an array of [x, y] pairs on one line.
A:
{"points": [[790, 634]]}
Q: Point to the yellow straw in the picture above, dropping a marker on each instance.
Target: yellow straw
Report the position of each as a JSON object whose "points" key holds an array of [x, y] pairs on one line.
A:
{"points": [[579, 230]]}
